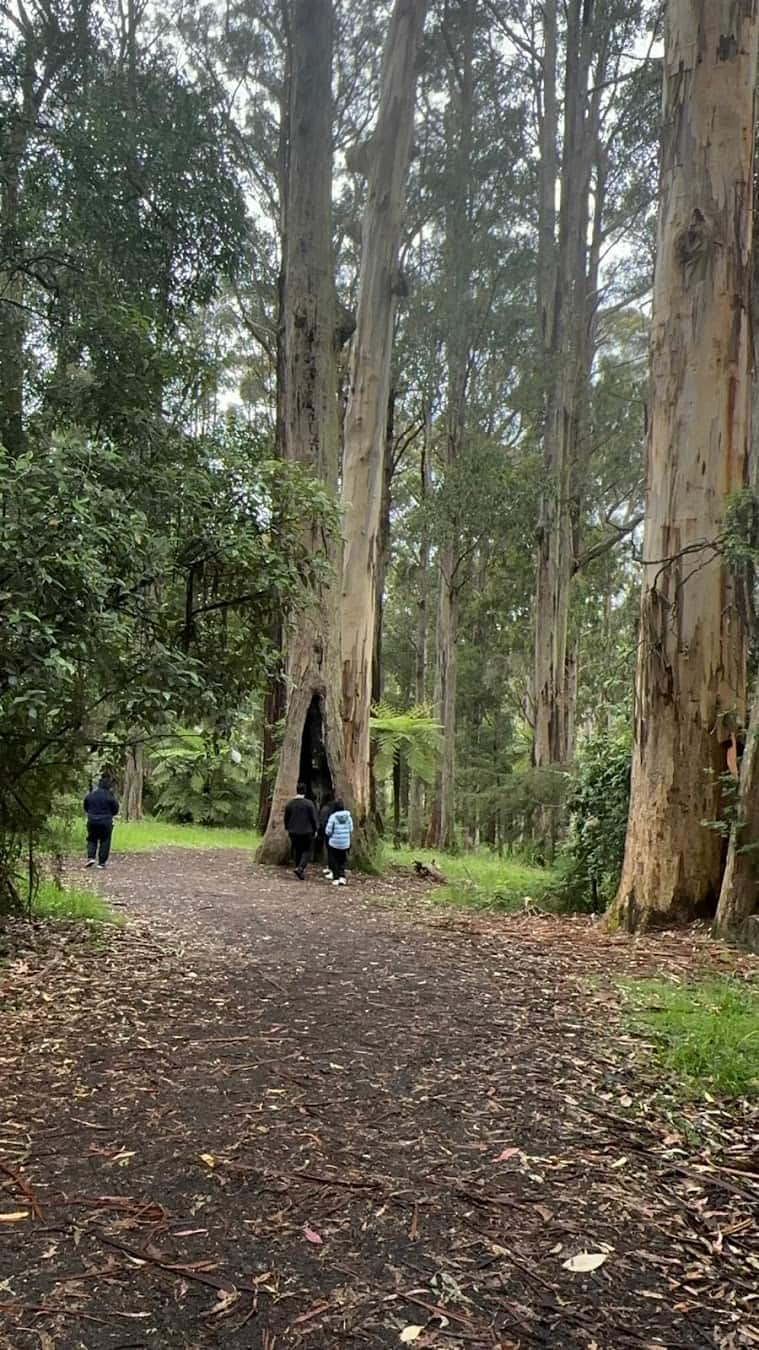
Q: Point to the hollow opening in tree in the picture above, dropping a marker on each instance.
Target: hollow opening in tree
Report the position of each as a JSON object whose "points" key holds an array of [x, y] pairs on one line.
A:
{"points": [[314, 765]]}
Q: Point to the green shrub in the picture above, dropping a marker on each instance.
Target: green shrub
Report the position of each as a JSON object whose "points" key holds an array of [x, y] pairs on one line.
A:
{"points": [[598, 802], [200, 781]]}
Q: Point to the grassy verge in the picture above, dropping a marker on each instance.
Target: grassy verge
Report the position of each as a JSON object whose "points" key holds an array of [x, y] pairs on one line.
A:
{"points": [[72, 903], [706, 1033], [480, 880], [143, 836]]}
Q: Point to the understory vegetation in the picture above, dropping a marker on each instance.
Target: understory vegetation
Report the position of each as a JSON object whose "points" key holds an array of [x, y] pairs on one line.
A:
{"points": [[705, 1033], [71, 903]]}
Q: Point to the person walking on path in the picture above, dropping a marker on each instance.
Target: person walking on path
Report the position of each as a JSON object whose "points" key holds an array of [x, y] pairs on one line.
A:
{"points": [[301, 825], [100, 807], [338, 831]]}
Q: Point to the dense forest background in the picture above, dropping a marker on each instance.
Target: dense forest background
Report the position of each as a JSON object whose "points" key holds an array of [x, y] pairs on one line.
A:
{"points": [[169, 533]]}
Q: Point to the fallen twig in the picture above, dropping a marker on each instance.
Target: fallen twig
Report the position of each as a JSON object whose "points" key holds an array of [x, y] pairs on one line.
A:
{"points": [[25, 1190]]}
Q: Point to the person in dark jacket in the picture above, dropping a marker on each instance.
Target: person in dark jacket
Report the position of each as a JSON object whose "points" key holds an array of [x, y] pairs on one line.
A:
{"points": [[301, 825], [100, 806], [325, 811], [338, 831]]}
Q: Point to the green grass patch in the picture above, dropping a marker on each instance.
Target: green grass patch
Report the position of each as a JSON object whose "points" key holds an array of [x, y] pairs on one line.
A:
{"points": [[72, 903], [706, 1033], [144, 836], [480, 880]]}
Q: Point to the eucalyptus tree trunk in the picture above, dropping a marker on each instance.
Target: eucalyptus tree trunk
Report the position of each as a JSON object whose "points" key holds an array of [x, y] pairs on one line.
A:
{"points": [[459, 336], [312, 748], [566, 304], [275, 697], [739, 895], [417, 789], [379, 284], [691, 682], [133, 782]]}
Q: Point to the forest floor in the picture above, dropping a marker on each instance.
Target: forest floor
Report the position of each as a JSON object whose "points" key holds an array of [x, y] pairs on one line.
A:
{"points": [[269, 1114]]}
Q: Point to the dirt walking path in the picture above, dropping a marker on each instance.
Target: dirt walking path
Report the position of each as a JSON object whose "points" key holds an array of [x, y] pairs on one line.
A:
{"points": [[269, 1114]]}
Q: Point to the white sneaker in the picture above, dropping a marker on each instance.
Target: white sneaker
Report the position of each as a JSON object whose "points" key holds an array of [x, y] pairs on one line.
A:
{"points": [[328, 876], [336, 883], [326, 872], [341, 881], [90, 862]]}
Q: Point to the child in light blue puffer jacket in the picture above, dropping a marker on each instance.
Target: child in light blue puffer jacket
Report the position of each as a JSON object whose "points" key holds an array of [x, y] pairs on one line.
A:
{"points": [[338, 831]]}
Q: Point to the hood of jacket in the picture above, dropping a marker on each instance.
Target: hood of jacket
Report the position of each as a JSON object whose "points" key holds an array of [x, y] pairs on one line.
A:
{"points": [[342, 817]]}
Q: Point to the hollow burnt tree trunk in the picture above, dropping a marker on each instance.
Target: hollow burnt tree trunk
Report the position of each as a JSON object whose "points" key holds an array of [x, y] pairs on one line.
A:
{"points": [[312, 745], [690, 683], [365, 420]]}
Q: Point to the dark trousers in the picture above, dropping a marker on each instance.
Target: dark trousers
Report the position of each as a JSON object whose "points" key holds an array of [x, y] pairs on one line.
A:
{"points": [[99, 841], [301, 849], [337, 858]]}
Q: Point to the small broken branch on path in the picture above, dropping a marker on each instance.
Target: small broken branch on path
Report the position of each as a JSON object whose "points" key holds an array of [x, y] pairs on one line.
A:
{"points": [[25, 1190]]}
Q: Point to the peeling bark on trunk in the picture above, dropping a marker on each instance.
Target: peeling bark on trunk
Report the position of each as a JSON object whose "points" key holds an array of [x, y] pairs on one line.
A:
{"points": [[312, 740], [369, 386], [690, 685]]}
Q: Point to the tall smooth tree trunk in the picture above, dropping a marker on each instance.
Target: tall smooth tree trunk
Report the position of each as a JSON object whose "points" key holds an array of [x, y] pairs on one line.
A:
{"points": [[365, 420], [690, 684], [383, 563], [275, 697], [459, 336], [565, 307], [443, 831], [312, 747], [417, 790]]}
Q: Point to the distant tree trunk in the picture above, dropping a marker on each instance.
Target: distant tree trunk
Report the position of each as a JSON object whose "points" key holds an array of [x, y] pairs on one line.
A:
{"points": [[444, 818], [690, 683], [365, 420], [383, 563], [458, 342], [312, 746], [416, 822], [566, 301], [134, 780]]}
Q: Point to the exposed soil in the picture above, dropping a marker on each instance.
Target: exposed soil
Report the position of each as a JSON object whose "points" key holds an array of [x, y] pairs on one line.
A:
{"points": [[268, 1114]]}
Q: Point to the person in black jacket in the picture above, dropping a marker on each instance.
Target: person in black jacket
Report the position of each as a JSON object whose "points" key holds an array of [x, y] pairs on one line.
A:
{"points": [[301, 825], [320, 847], [100, 806]]}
